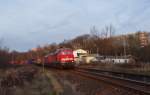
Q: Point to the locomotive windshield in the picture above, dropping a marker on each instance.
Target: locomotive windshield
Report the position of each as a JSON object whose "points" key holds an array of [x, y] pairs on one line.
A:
{"points": [[66, 52]]}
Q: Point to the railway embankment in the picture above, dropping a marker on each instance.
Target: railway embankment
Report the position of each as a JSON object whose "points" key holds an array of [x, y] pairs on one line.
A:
{"points": [[76, 84], [34, 80], [24, 80]]}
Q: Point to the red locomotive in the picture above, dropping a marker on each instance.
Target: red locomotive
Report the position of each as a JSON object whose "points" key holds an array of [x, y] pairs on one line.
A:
{"points": [[60, 58]]}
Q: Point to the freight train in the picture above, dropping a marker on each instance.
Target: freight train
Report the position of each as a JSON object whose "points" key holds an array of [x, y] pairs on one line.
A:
{"points": [[61, 58]]}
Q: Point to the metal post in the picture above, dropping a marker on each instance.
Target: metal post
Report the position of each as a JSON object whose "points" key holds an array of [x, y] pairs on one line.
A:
{"points": [[124, 47], [43, 67], [12, 58]]}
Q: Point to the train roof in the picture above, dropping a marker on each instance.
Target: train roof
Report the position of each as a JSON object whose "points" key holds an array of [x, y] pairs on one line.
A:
{"points": [[58, 50], [64, 49]]}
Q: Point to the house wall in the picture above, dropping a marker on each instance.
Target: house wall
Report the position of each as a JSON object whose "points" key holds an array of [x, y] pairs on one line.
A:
{"points": [[117, 60]]}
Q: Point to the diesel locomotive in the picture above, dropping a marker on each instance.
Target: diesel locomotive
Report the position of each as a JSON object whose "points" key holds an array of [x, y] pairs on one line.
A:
{"points": [[62, 58]]}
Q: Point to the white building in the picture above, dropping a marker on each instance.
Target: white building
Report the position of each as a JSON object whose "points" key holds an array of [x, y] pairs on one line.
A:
{"points": [[117, 60], [79, 55], [88, 58], [82, 56], [79, 52]]}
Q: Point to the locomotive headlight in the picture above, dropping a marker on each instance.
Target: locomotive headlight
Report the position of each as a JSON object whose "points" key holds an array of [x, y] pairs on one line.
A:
{"points": [[63, 59], [66, 59]]}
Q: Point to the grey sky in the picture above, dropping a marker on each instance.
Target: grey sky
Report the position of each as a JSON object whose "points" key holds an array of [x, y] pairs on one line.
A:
{"points": [[24, 24]]}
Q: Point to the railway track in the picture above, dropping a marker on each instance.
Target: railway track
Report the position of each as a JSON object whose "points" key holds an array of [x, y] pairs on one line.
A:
{"points": [[138, 87], [125, 75]]}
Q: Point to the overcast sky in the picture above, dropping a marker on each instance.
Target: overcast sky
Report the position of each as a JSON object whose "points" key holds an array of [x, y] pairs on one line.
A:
{"points": [[24, 24]]}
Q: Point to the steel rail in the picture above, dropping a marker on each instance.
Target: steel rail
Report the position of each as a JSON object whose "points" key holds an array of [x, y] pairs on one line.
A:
{"points": [[141, 88], [129, 76]]}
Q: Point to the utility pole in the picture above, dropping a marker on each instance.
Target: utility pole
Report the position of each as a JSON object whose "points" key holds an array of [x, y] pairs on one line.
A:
{"points": [[124, 45], [43, 67], [97, 51], [12, 58]]}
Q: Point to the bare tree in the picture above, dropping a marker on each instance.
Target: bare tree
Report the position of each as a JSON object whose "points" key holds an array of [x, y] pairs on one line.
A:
{"points": [[94, 32], [108, 31]]}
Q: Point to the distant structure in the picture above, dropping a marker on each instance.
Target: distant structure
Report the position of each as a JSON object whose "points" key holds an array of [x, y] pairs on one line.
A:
{"points": [[79, 52], [143, 38], [149, 38], [82, 56], [34, 49], [77, 55], [117, 59]]}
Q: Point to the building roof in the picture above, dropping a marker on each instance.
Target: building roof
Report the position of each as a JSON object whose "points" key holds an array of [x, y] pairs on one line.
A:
{"points": [[80, 51]]}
